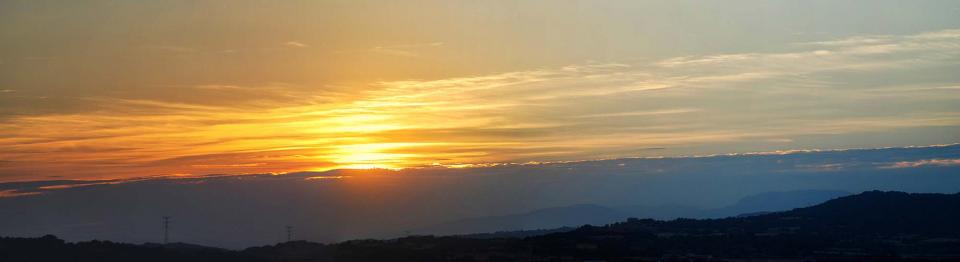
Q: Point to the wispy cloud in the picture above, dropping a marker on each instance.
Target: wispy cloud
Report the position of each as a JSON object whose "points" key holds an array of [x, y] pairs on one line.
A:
{"points": [[295, 44], [642, 113], [404, 50], [924, 163], [15, 193], [172, 48], [805, 161], [597, 110]]}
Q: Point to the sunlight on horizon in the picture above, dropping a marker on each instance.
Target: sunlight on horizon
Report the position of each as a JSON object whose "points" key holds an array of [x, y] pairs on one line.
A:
{"points": [[257, 90]]}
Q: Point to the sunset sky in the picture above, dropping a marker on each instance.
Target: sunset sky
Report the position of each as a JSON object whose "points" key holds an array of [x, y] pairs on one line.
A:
{"points": [[124, 89]]}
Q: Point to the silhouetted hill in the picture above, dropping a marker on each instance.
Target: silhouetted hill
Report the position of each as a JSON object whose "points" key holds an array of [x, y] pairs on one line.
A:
{"points": [[547, 218], [887, 213], [181, 246], [51, 248], [871, 226], [753, 204], [518, 233], [774, 201], [532, 223], [229, 210]]}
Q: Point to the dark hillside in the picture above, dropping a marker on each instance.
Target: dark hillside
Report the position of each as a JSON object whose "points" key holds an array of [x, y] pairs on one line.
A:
{"points": [[871, 226]]}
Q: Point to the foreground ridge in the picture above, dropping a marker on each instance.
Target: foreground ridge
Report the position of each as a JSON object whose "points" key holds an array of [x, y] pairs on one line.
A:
{"points": [[871, 226]]}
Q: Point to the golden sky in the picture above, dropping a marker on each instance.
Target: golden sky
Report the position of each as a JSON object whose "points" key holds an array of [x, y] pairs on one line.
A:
{"points": [[112, 89]]}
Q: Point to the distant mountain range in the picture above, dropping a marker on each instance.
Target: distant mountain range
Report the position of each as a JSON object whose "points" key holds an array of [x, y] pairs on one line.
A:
{"points": [[557, 217], [577, 215], [238, 211], [871, 226]]}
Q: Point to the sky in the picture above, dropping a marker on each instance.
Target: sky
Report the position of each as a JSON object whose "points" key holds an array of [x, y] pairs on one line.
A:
{"points": [[128, 89]]}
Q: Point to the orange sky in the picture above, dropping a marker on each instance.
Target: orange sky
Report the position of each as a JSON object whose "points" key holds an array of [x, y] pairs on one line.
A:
{"points": [[112, 90]]}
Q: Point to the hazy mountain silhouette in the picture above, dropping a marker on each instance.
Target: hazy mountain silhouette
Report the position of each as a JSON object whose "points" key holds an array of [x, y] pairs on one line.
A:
{"points": [[577, 215], [886, 213], [771, 202], [236, 211], [871, 226], [548, 218], [753, 204]]}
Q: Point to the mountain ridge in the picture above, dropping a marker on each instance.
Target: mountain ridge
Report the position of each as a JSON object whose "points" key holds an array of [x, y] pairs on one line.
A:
{"points": [[851, 228], [581, 214]]}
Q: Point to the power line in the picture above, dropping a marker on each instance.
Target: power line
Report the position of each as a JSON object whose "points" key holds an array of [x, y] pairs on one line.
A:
{"points": [[289, 233], [166, 230]]}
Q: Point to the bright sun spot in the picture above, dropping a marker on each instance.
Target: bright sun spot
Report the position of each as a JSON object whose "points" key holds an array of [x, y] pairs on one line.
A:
{"points": [[373, 155]]}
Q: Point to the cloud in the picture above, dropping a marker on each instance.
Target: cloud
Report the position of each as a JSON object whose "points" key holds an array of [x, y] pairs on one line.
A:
{"points": [[393, 51], [406, 50], [172, 48], [295, 44], [219, 87], [642, 113], [20, 189], [15, 193], [801, 160], [924, 163], [709, 104]]}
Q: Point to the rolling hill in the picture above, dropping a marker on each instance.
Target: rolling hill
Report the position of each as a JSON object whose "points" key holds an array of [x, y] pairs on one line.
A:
{"points": [[872, 226]]}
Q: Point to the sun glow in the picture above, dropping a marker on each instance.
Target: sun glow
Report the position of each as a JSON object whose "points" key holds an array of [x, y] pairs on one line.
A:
{"points": [[369, 166], [375, 155], [464, 119]]}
